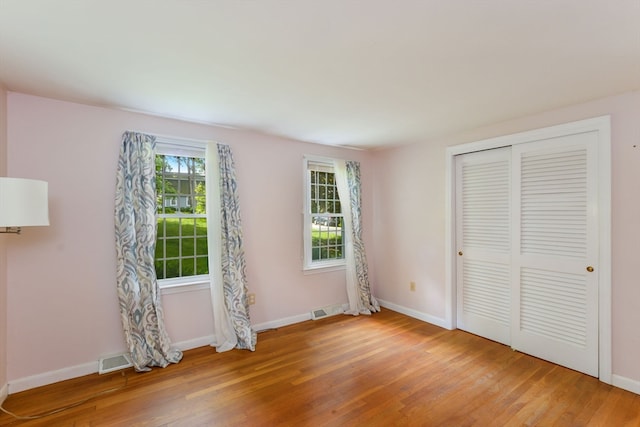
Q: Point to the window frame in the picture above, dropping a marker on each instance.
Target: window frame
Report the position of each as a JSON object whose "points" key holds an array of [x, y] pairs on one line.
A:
{"points": [[182, 148], [309, 265]]}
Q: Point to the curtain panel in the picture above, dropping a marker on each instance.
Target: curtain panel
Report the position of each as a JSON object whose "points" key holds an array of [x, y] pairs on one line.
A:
{"points": [[227, 265], [349, 189], [135, 237]]}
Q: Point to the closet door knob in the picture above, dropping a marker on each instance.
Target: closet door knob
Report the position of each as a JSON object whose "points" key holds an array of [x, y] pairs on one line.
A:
{"points": [[590, 269], [460, 253]]}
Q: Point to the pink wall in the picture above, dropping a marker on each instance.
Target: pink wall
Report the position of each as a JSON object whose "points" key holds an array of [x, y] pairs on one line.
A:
{"points": [[61, 279], [3, 239], [409, 214]]}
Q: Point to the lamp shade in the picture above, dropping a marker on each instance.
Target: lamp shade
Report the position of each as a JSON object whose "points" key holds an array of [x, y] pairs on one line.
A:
{"points": [[23, 202]]}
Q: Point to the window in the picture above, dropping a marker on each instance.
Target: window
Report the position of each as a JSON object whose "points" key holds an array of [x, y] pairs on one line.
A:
{"points": [[181, 245], [324, 227]]}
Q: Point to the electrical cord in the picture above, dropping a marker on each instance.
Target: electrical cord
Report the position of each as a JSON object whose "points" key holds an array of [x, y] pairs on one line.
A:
{"points": [[64, 408]]}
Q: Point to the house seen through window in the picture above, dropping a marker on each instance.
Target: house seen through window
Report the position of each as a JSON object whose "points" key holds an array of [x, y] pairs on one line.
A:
{"points": [[181, 245]]}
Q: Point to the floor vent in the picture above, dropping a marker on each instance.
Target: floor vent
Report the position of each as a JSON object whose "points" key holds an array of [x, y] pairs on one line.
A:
{"points": [[327, 311], [114, 363]]}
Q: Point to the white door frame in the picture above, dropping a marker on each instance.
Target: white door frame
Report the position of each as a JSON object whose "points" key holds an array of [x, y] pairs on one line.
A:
{"points": [[602, 125]]}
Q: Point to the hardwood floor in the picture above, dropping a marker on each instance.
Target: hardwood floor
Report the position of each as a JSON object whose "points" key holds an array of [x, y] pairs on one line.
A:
{"points": [[380, 370]]}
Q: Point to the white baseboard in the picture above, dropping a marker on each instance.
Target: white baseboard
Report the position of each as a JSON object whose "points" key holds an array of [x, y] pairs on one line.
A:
{"points": [[4, 392], [51, 377], [414, 313], [626, 383], [194, 343], [207, 340], [282, 322]]}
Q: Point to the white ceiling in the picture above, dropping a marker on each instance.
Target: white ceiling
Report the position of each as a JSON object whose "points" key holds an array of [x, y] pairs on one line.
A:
{"points": [[361, 73]]}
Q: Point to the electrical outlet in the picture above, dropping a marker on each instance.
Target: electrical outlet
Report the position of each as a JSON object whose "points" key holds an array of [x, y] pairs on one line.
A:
{"points": [[412, 286], [251, 299]]}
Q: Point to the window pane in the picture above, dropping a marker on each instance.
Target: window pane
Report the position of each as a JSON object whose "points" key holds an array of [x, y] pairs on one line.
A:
{"points": [[186, 267], [187, 247], [202, 265], [159, 269], [326, 241], [160, 228], [201, 200], [188, 226], [201, 246], [173, 268], [171, 247], [159, 254], [326, 229], [201, 226], [180, 193], [172, 227]]}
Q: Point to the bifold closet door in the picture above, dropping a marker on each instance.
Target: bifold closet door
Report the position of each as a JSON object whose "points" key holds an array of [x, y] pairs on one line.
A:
{"points": [[483, 238], [555, 251]]}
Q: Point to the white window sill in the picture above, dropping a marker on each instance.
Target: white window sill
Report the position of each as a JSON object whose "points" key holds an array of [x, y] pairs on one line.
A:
{"points": [[323, 268], [189, 284]]}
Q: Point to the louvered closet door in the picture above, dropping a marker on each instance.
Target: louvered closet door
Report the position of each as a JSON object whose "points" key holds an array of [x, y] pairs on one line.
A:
{"points": [[555, 296], [483, 235]]}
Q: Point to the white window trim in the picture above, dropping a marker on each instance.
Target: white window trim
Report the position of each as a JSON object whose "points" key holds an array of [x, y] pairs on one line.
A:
{"points": [[184, 284], [171, 146], [180, 147], [325, 267], [309, 266]]}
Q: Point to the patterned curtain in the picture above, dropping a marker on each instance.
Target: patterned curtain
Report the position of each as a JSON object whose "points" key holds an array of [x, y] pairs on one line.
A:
{"points": [[358, 289], [227, 263], [135, 235]]}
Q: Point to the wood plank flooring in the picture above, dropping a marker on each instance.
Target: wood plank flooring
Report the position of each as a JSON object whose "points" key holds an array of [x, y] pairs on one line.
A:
{"points": [[381, 370]]}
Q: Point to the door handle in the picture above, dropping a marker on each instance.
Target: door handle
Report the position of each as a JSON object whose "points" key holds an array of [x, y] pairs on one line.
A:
{"points": [[590, 269]]}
